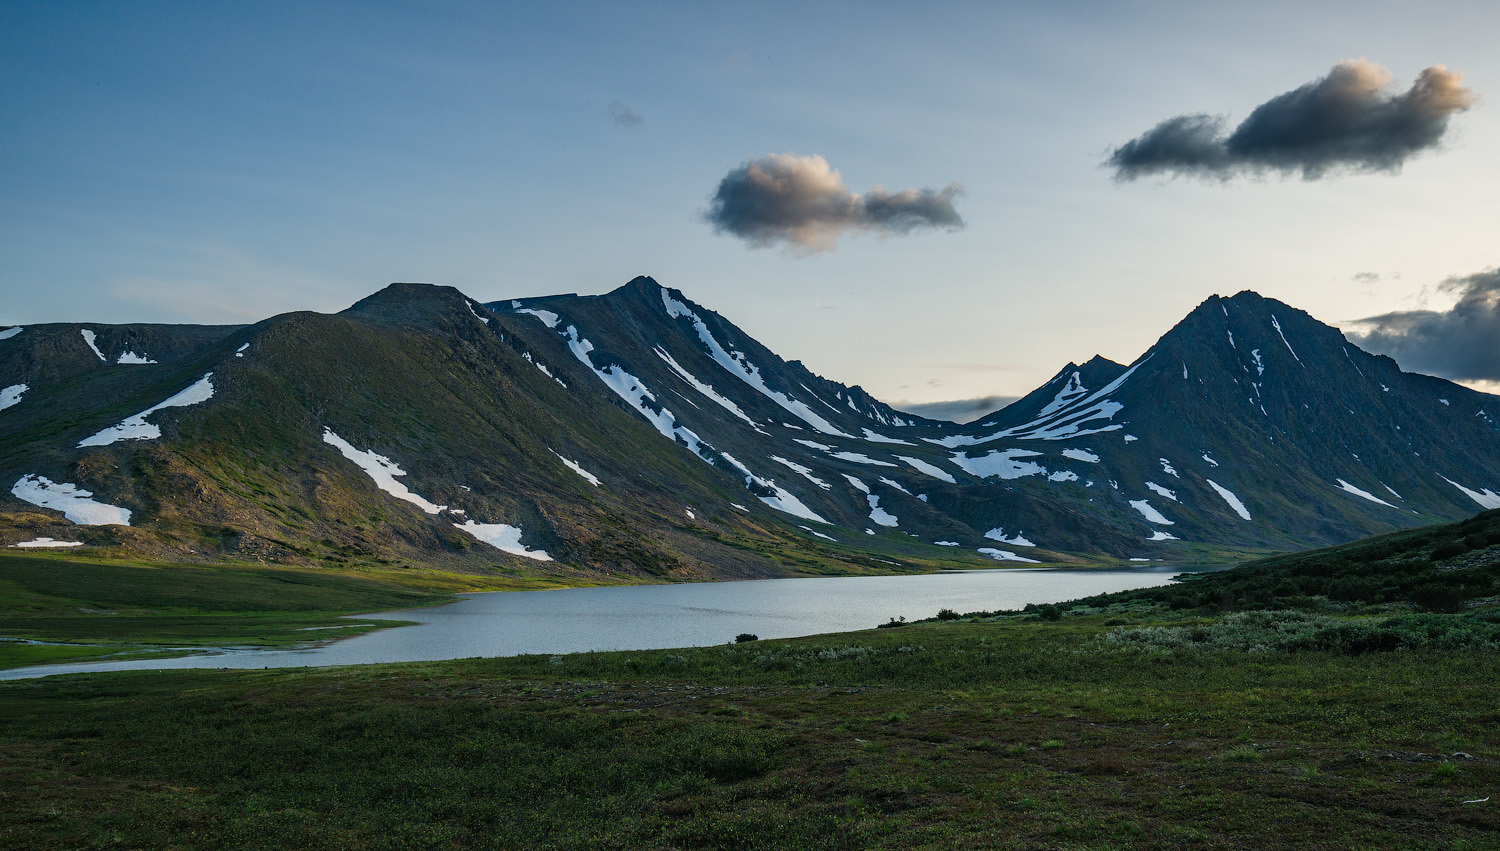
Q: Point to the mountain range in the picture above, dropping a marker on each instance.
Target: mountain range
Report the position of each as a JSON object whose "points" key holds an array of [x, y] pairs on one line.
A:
{"points": [[637, 435]]}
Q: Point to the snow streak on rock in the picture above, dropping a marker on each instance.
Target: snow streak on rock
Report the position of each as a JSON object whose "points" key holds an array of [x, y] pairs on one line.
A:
{"points": [[804, 472], [706, 389], [861, 458], [575, 467], [1486, 498], [1364, 494], [88, 337], [1229, 497], [136, 427], [740, 367], [382, 470], [1074, 419], [930, 469]]}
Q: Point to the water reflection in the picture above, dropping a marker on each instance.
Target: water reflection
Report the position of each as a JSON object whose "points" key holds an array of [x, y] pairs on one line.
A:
{"points": [[647, 617]]}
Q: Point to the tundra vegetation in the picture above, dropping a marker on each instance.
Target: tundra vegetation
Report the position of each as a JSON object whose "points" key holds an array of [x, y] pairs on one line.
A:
{"points": [[1333, 699]]}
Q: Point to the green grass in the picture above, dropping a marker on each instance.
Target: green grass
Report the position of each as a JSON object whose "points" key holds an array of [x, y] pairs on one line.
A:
{"points": [[1134, 721], [89, 609], [1010, 734]]}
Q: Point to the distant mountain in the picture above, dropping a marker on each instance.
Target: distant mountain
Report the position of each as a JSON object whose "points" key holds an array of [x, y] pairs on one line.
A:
{"points": [[638, 434]]}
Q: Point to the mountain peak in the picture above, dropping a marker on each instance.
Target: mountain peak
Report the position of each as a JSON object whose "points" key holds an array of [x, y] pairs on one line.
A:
{"points": [[408, 302], [639, 285]]}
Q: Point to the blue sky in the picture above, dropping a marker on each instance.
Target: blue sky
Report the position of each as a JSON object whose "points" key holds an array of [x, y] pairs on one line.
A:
{"points": [[214, 162]]}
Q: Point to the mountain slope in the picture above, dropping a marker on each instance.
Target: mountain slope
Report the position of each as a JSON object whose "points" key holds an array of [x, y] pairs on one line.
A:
{"points": [[638, 434]]}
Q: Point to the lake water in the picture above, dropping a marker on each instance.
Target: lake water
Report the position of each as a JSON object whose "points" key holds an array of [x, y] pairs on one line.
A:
{"points": [[651, 617]]}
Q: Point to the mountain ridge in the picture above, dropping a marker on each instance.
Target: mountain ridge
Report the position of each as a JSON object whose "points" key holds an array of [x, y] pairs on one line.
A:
{"points": [[639, 434]]}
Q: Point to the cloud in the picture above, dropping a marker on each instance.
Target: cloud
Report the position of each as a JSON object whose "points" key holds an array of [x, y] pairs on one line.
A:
{"points": [[1367, 277], [1349, 120], [623, 115], [803, 204], [1461, 343], [957, 410]]}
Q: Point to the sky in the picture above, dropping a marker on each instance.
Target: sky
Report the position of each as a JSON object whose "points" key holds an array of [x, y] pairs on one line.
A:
{"points": [[971, 194]]}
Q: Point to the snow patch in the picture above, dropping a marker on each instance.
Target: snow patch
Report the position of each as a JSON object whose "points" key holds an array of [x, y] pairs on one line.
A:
{"points": [[740, 507], [1260, 368], [1172, 495], [71, 500], [930, 469], [1486, 498], [880, 515], [128, 356], [804, 472], [483, 319], [895, 484], [1364, 494], [88, 337], [880, 438], [1159, 535], [1063, 476], [11, 332], [577, 468], [136, 427], [501, 537], [1005, 555], [1229, 497], [1445, 402], [1210, 460], [240, 352], [1150, 513], [1018, 540], [1081, 455], [812, 444], [548, 318], [48, 542], [384, 472], [1130, 438], [1166, 467], [1001, 464], [861, 458], [12, 395]]}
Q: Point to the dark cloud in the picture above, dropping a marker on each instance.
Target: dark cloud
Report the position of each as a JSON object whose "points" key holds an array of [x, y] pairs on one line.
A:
{"points": [[1366, 277], [803, 204], [1461, 343], [958, 410], [1350, 120], [623, 115]]}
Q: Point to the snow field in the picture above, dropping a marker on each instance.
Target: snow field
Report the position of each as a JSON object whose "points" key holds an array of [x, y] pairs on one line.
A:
{"points": [[71, 500]]}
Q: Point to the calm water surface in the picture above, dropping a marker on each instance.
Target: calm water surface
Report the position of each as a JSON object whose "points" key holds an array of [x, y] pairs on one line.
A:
{"points": [[649, 617]]}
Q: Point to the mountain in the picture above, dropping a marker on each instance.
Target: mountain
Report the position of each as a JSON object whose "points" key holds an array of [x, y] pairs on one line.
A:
{"points": [[640, 435]]}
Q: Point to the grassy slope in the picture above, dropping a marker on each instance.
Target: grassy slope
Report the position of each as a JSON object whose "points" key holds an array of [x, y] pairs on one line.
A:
{"points": [[1126, 722]]}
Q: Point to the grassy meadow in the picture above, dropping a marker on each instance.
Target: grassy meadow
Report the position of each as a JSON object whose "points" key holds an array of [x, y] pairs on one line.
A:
{"points": [[1308, 701]]}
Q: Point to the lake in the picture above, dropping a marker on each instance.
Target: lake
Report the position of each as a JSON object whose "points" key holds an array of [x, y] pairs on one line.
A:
{"points": [[652, 617]]}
